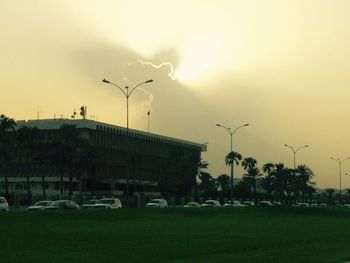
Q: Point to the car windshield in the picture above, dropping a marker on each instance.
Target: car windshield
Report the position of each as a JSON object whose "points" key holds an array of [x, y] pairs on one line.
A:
{"points": [[209, 202], [59, 203], [42, 203], [91, 202], [155, 201], [105, 201]]}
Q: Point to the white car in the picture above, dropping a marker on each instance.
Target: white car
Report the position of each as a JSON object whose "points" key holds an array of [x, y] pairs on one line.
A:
{"points": [[235, 203], [61, 205], [303, 204], [192, 204], [4, 206], [40, 205], [108, 203], [248, 203], [276, 203], [211, 203], [157, 203], [265, 203], [89, 204]]}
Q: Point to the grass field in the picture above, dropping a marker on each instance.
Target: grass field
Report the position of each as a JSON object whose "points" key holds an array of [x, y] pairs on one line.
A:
{"points": [[248, 234]]}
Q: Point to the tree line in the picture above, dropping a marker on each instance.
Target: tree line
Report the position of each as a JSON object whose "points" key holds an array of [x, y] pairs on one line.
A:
{"points": [[67, 152], [273, 181]]}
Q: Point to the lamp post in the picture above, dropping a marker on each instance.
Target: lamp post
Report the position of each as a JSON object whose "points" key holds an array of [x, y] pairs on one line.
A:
{"points": [[295, 151], [127, 93], [339, 161], [231, 132]]}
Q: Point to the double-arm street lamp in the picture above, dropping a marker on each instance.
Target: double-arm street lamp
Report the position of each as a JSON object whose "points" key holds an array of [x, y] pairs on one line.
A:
{"points": [[231, 132], [127, 93], [339, 161], [295, 151]]}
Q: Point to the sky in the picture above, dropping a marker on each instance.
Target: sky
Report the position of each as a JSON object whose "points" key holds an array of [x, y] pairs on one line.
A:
{"points": [[280, 65]]}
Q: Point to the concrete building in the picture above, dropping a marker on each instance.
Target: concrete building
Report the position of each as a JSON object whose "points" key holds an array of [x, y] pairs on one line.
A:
{"points": [[94, 162]]}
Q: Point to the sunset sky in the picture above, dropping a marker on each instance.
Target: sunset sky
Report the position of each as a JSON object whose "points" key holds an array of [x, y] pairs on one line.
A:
{"points": [[280, 65]]}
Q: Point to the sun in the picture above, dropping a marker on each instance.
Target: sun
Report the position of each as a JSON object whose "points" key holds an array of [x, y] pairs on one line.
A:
{"points": [[197, 59]]}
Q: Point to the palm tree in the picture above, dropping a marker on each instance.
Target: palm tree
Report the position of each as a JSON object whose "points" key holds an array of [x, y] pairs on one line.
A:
{"points": [[304, 174], [249, 164], [268, 183], [207, 185], [253, 174], [64, 152], [202, 166], [223, 183], [280, 173], [7, 124], [233, 158], [87, 159], [330, 192], [27, 139], [6, 142]]}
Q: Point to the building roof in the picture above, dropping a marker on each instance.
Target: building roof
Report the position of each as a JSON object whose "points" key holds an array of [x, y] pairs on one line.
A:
{"points": [[54, 124]]}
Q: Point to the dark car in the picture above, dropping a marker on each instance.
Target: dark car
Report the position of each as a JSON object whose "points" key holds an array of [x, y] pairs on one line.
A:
{"points": [[40, 205], [62, 205]]}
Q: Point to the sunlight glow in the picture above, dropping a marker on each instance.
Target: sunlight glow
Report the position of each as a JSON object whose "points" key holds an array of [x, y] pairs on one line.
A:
{"points": [[200, 57]]}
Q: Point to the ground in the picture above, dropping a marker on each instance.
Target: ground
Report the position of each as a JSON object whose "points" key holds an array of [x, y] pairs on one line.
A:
{"points": [[242, 234]]}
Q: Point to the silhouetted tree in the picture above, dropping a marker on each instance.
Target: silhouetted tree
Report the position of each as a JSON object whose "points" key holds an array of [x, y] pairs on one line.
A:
{"points": [[7, 125], [268, 182], [233, 158], [253, 174], [27, 139], [280, 173], [65, 151], [304, 175], [202, 166], [330, 192], [249, 165], [223, 184], [207, 185]]}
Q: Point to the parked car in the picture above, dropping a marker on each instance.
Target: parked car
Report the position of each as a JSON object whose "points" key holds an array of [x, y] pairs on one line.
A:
{"points": [[303, 204], [211, 203], [192, 204], [265, 203], [235, 203], [108, 203], [248, 203], [157, 203], [39, 206], [346, 205], [4, 206], [62, 205], [89, 204], [276, 203]]}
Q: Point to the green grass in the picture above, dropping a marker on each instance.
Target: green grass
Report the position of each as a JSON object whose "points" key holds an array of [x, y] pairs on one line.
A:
{"points": [[289, 234]]}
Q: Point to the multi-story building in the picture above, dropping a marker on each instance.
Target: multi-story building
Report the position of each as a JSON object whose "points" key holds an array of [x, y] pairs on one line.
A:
{"points": [[85, 157]]}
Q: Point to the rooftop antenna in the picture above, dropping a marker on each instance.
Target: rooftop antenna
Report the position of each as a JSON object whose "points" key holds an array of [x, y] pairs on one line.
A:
{"points": [[149, 119], [37, 112]]}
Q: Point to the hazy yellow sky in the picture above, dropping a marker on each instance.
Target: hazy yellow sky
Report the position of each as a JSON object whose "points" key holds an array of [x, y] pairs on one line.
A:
{"points": [[282, 66]]}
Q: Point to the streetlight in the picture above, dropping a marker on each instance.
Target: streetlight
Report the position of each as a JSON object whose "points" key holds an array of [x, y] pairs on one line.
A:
{"points": [[295, 151], [340, 163], [232, 164], [127, 95]]}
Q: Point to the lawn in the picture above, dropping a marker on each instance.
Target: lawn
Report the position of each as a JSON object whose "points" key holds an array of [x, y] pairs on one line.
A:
{"points": [[246, 234]]}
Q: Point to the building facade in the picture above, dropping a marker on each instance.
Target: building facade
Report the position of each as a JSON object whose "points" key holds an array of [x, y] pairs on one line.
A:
{"points": [[59, 157]]}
